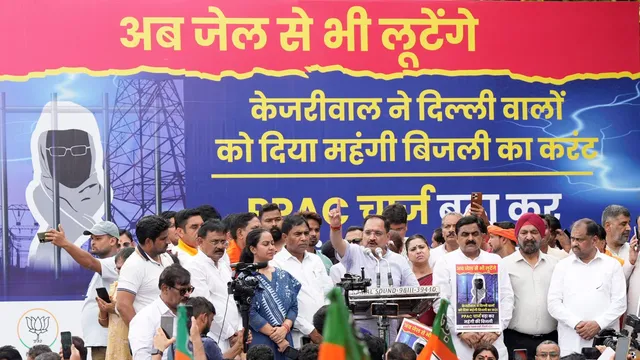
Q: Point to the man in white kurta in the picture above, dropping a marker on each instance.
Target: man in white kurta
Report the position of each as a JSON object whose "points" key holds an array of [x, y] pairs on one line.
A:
{"points": [[470, 230], [210, 274], [309, 270], [587, 292]]}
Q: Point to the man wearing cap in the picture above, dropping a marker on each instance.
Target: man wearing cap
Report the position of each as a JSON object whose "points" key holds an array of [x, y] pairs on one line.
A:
{"points": [[530, 273], [502, 238], [104, 245]]}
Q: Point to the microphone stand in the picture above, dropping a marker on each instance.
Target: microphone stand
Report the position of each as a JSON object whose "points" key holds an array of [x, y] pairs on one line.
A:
{"points": [[383, 320]]}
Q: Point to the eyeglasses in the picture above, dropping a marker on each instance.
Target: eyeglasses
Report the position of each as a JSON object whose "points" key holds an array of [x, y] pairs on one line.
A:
{"points": [[355, 241], [553, 355], [218, 242], [377, 234], [184, 291], [60, 151]]}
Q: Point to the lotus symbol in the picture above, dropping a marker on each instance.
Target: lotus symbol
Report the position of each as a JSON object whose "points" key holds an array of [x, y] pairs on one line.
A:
{"points": [[38, 325]]}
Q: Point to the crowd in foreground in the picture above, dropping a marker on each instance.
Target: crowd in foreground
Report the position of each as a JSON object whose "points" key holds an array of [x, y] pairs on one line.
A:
{"points": [[558, 288]]}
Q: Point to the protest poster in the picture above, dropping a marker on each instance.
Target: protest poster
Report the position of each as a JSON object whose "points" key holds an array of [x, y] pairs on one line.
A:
{"points": [[477, 298], [414, 334]]}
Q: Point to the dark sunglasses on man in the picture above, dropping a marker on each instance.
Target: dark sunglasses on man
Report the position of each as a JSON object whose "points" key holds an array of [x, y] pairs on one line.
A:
{"points": [[184, 291]]}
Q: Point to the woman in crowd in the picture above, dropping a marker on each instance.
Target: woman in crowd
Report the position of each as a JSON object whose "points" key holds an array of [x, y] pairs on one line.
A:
{"points": [[418, 254], [485, 352], [117, 341], [275, 305]]}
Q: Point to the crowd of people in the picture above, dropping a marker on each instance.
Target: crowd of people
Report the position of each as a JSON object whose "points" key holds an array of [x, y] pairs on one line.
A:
{"points": [[558, 288]]}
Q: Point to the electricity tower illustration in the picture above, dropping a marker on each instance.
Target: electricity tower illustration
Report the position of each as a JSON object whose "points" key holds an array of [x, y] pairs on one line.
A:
{"points": [[146, 148]]}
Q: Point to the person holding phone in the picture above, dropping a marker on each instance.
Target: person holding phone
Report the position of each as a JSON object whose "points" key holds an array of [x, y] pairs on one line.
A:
{"points": [[104, 244], [117, 342], [175, 289]]}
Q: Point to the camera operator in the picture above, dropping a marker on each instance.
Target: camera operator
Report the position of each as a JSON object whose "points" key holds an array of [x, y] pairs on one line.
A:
{"points": [[309, 270], [274, 307], [587, 291], [210, 275]]}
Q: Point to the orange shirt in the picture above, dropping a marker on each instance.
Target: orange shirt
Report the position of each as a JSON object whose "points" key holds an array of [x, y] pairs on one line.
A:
{"points": [[234, 252]]}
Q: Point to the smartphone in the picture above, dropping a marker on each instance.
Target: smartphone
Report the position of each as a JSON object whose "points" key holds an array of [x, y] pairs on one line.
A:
{"points": [[103, 294], [476, 198], [622, 348], [306, 340], [41, 237], [520, 354], [65, 339], [166, 323], [189, 316], [291, 353]]}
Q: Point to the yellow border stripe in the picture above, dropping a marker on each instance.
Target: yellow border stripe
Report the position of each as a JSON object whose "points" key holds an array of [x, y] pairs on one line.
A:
{"points": [[316, 68], [402, 175]]}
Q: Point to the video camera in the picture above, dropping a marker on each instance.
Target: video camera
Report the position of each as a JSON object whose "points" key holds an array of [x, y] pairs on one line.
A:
{"points": [[243, 288], [611, 338], [352, 282]]}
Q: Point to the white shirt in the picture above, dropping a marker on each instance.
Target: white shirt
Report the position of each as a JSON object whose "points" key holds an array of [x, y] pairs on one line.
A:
{"points": [[627, 268], [93, 333], [557, 253], [582, 292], [143, 328], [530, 287], [623, 252], [436, 254], [444, 276], [210, 281], [139, 276], [312, 275], [336, 272]]}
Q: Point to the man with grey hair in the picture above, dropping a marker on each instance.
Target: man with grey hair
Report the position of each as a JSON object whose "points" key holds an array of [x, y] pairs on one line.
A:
{"points": [[449, 221], [587, 292], [546, 349], [616, 220]]}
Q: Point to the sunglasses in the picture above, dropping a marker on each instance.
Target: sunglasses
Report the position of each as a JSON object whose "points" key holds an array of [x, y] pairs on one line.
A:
{"points": [[355, 241], [184, 291]]}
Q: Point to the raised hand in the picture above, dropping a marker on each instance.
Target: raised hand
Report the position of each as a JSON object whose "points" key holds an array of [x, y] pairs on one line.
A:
{"points": [[335, 217]]}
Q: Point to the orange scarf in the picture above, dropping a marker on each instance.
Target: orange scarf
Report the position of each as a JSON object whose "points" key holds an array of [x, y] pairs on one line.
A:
{"points": [[505, 233]]}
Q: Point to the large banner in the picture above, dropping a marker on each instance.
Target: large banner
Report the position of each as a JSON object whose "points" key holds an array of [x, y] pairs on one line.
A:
{"points": [[131, 108]]}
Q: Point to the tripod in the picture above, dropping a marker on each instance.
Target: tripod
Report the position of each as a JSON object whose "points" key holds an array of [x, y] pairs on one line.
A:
{"points": [[244, 312]]}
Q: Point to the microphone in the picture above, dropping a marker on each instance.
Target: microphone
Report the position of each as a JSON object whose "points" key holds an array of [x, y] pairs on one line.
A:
{"points": [[368, 252], [389, 278], [240, 267]]}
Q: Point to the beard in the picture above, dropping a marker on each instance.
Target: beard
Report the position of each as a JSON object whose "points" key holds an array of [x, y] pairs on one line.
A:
{"points": [[276, 233], [530, 247]]}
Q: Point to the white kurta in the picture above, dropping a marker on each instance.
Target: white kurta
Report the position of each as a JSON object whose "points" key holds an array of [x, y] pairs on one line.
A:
{"points": [[583, 292], [444, 276]]}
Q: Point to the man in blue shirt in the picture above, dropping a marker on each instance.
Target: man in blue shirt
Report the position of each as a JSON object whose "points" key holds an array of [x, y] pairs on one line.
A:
{"points": [[203, 312]]}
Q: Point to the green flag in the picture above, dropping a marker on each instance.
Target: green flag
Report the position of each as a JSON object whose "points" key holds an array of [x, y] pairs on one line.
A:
{"points": [[340, 341], [182, 336]]}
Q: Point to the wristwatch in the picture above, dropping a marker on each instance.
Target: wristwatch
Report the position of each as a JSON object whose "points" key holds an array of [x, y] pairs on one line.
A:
{"points": [[156, 352]]}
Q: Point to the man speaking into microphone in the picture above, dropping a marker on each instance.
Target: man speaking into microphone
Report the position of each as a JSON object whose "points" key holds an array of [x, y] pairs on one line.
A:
{"points": [[383, 262]]}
